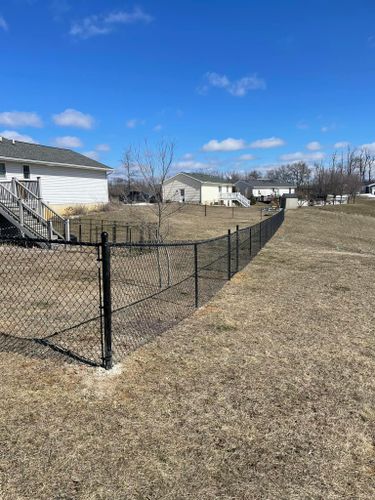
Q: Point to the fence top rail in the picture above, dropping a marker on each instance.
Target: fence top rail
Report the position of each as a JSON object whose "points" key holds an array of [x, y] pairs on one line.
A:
{"points": [[144, 244]]}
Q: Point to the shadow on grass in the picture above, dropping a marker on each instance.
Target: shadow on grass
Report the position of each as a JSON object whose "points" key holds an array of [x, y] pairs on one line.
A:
{"points": [[40, 349]]}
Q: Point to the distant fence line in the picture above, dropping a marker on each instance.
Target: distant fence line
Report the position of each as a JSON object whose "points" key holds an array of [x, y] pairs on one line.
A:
{"points": [[96, 302], [88, 230]]}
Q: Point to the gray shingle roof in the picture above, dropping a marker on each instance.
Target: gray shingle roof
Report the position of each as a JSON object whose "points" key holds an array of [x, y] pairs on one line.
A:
{"points": [[207, 178], [267, 183], [37, 152]]}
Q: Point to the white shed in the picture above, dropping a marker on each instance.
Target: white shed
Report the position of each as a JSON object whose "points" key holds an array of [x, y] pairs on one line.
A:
{"points": [[200, 188]]}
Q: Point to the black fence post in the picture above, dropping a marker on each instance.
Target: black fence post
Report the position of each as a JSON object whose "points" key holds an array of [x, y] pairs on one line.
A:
{"points": [[237, 248], [114, 232], [90, 230], [229, 255], [205, 210], [196, 277], [80, 232], [107, 301], [260, 235], [250, 250]]}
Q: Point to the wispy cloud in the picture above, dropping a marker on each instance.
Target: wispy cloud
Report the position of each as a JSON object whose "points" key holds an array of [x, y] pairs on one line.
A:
{"points": [[103, 24], [341, 145], [20, 119], [193, 165], [237, 88], [134, 122], [3, 24], [158, 127], [246, 157], [68, 141], [313, 146], [13, 134], [328, 128], [103, 148], [270, 142], [302, 125], [229, 144], [73, 118], [300, 156], [94, 155]]}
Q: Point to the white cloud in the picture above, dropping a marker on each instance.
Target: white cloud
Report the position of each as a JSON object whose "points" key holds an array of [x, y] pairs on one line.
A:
{"points": [[134, 122], [190, 164], [369, 147], [103, 147], [104, 24], [3, 24], [341, 145], [225, 145], [20, 119], [271, 142], [13, 134], [246, 157], [188, 156], [299, 156], [158, 127], [237, 88], [73, 118], [94, 155], [313, 146], [68, 141]]}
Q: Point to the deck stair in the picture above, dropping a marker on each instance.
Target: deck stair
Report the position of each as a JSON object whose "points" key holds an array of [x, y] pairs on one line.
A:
{"points": [[22, 206], [236, 197]]}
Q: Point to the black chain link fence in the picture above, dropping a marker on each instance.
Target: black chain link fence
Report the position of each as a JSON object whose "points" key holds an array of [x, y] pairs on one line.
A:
{"points": [[96, 302]]}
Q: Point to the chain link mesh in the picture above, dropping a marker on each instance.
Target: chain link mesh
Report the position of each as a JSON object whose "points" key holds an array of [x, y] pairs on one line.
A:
{"points": [[52, 293]]}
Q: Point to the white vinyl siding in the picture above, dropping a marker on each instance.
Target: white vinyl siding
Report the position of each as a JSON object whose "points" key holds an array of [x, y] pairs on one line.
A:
{"points": [[172, 189], [65, 185]]}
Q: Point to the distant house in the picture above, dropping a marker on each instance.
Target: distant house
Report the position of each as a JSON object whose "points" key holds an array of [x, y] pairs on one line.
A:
{"points": [[201, 188], [369, 188], [264, 189], [65, 178]]}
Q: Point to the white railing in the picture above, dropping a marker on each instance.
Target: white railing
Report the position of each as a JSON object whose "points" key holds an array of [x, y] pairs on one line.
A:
{"points": [[235, 197]]}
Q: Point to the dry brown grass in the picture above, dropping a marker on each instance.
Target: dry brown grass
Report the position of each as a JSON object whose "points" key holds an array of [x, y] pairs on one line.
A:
{"points": [[257, 396], [189, 222]]}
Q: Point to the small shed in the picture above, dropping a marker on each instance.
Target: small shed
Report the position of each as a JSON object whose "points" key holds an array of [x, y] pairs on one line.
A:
{"points": [[289, 201]]}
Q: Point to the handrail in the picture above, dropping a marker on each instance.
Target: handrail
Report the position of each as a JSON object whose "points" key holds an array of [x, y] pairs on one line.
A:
{"points": [[13, 198]]}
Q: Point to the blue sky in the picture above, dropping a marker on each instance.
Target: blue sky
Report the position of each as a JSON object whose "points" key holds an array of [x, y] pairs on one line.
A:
{"points": [[236, 84]]}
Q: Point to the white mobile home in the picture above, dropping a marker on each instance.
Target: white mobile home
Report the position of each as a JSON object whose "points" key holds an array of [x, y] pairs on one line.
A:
{"points": [[64, 178], [264, 189], [201, 188]]}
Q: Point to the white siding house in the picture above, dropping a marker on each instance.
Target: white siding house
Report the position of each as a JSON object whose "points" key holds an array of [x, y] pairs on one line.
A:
{"points": [[264, 189], [197, 188], [66, 178]]}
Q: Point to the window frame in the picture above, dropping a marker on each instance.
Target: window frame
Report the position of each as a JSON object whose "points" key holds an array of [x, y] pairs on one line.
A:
{"points": [[3, 171]]}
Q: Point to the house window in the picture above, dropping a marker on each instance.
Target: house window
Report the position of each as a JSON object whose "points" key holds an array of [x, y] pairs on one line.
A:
{"points": [[220, 189], [26, 172], [3, 171]]}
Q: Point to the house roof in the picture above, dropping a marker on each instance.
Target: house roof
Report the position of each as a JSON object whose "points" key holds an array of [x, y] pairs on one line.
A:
{"points": [[37, 153], [267, 183], [205, 178]]}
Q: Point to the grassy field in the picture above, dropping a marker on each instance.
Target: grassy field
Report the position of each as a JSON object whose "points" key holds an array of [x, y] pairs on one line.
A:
{"points": [[189, 222], [362, 206], [257, 396]]}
